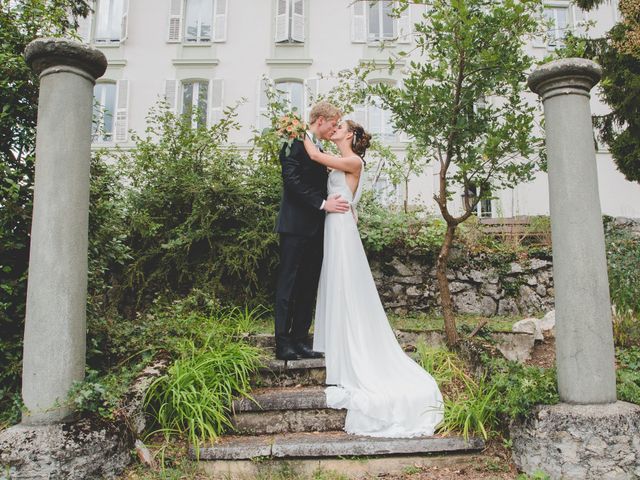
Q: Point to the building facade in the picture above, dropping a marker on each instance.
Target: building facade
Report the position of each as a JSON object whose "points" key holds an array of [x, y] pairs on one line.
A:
{"points": [[212, 53]]}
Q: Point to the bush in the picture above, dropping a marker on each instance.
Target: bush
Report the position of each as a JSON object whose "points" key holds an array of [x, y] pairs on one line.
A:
{"points": [[628, 375], [384, 229], [623, 258], [199, 215]]}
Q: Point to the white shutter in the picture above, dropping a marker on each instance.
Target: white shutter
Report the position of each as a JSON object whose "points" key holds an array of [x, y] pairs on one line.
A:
{"points": [[216, 96], [359, 21], [175, 21], [124, 26], [311, 88], [122, 111], [282, 21], [220, 21], [262, 121], [84, 25], [297, 27], [171, 94], [405, 26]]}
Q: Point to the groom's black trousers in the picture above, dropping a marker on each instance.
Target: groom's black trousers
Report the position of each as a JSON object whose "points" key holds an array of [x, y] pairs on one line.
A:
{"points": [[298, 276]]}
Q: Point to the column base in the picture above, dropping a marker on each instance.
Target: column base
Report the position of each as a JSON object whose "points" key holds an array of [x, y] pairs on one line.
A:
{"points": [[71, 451], [579, 441]]}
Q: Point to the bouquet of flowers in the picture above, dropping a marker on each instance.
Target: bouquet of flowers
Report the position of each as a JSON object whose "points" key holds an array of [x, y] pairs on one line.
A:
{"points": [[291, 127]]}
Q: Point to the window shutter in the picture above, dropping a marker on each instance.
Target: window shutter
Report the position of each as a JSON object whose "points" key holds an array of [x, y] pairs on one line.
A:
{"points": [[216, 95], [124, 27], [405, 26], [282, 21], [359, 22], [175, 21], [84, 26], [220, 21], [311, 88], [171, 94], [122, 111], [297, 27], [262, 103]]}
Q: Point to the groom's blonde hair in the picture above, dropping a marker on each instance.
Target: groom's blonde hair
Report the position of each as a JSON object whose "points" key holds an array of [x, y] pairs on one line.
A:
{"points": [[324, 109]]}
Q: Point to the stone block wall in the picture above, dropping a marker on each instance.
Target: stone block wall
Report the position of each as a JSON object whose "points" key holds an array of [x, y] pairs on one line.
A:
{"points": [[407, 282]]}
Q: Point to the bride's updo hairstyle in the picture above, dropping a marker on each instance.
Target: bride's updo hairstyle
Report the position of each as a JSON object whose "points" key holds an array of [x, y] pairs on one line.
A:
{"points": [[361, 139]]}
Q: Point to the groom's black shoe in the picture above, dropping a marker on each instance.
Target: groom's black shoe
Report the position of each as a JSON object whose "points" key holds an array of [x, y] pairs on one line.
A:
{"points": [[286, 352], [305, 352]]}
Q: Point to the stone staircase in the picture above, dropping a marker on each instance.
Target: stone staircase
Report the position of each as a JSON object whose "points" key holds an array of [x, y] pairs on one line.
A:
{"points": [[288, 420]]}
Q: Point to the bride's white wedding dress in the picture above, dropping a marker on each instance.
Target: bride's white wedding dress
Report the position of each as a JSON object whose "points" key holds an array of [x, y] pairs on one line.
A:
{"points": [[385, 392]]}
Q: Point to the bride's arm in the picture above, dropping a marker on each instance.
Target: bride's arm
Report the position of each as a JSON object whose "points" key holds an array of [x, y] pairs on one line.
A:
{"points": [[346, 164]]}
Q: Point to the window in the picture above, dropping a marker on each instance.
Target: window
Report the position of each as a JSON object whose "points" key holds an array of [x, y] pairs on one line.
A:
{"points": [[292, 93], [384, 191], [382, 26], [483, 209], [290, 21], [379, 121], [374, 21], [111, 21], [198, 20], [557, 17], [104, 106], [195, 99]]}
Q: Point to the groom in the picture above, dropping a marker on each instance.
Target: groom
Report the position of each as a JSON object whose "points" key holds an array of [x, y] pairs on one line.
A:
{"points": [[301, 228]]}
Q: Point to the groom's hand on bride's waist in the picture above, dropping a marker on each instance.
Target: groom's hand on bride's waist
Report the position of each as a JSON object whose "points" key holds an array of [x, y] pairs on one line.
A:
{"points": [[335, 204]]}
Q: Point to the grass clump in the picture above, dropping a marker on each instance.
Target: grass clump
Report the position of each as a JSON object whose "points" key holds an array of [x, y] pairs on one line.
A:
{"points": [[478, 404], [195, 396], [468, 406]]}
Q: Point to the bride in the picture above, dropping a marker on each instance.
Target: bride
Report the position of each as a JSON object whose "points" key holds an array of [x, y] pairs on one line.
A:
{"points": [[385, 392]]}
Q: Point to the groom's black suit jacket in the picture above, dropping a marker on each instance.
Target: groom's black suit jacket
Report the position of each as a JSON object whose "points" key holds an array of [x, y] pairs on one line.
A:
{"points": [[305, 188]]}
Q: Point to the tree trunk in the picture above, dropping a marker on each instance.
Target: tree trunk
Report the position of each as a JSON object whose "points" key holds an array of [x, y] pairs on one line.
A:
{"points": [[443, 285]]}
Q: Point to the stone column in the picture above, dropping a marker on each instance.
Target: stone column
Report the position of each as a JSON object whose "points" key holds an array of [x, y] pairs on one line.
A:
{"points": [[55, 324], [588, 435], [584, 335]]}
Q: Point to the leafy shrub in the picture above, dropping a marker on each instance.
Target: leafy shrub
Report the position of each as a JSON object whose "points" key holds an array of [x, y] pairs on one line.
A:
{"points": [[628, 374], [520, 387], [199, 214], [385, 229], [623, 258]]}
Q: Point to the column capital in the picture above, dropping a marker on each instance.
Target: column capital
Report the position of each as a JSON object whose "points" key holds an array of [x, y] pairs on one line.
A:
{"points": [[43, 54], [565, 76]]}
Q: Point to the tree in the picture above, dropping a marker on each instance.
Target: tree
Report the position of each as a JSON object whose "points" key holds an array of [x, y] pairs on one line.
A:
{"points": [[20, 22], [618, 53], [462, 102]]}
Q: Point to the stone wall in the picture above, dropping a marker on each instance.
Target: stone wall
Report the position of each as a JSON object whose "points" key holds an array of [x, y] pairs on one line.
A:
{"points": [[479, 285]]}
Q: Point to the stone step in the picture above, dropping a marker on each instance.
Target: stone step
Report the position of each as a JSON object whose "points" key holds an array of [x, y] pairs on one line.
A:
{"points": [[285, 398], [516, 346], [329, 444], [286, 409], [288, 421], [342, 467], [281, 373]]}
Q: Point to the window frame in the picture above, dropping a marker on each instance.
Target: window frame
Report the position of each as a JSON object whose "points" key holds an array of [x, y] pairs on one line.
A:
{"points": [[122, 20], [98, 138], [380, 5], [195, 98], [198, 40]]}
